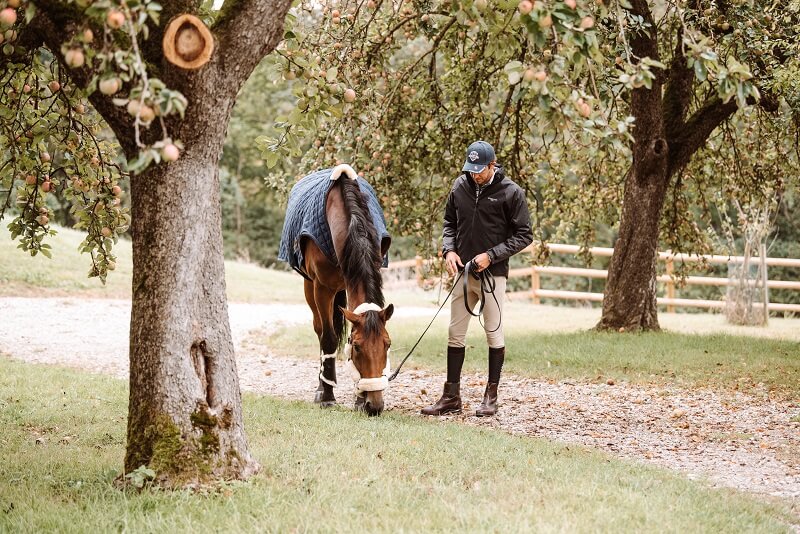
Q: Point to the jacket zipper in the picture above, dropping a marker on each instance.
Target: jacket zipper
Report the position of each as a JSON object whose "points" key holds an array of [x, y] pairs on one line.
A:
{"points": [[475, 210]]}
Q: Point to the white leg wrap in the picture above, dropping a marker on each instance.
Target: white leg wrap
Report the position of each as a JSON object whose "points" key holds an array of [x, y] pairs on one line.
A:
{"points": [[331, 383], [322, 359]]}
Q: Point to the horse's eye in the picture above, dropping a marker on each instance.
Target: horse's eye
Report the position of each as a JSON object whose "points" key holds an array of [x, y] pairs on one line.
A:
{"points": [[357, 348]]}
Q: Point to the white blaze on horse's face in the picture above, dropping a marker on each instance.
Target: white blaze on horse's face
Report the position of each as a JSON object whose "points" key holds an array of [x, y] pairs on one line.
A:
{"points": [[368, 348]]}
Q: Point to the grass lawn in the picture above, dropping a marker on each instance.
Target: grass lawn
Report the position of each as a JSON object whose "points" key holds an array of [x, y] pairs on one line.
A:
{"points": [[535, 349], [334, 471], [66, 274]]}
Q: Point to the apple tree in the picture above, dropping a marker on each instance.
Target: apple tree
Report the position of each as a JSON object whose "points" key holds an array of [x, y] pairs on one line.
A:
{"points": [[72, 70], [595, 107]]}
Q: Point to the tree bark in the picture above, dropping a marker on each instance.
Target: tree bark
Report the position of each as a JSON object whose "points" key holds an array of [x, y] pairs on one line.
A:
{"points": [[184, 416], [664, 142], [629, 303], [185, 411]]}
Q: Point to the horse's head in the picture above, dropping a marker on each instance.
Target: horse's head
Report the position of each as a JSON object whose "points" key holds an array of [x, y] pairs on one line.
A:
{"points": [[368, 353]]}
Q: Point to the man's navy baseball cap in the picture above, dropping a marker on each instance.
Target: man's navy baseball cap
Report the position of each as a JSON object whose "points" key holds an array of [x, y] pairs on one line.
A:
{"points": [[479, 155]]}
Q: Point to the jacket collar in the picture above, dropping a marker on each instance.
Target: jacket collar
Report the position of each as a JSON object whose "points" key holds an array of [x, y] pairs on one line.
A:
{"points": [[499, 176]]}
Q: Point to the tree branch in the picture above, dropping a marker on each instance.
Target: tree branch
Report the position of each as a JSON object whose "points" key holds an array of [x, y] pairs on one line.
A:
{"points": [[247, 31], [678, 93], [646, 104], [644, 43], [53, 25], [697, 130]]}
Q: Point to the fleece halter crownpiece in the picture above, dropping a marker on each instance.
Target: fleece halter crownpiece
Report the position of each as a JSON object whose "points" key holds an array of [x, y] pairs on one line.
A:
{"points": [[366, 384], [344, 168]]}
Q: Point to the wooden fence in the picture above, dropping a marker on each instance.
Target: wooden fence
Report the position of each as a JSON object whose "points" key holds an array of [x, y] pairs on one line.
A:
{"points": [[536, 273]]}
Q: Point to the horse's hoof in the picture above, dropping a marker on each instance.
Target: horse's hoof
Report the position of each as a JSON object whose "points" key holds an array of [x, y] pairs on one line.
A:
{"points": [[325, 401]]}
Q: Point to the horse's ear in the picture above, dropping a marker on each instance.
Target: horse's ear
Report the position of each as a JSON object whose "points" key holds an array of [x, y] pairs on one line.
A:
{"points": [[387, 312], [350, 316]]}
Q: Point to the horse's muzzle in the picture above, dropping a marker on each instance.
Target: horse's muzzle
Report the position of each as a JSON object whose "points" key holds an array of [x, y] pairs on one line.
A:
{"points": [[374, 404]]}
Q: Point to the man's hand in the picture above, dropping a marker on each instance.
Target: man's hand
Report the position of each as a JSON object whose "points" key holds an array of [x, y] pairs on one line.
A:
{"points": [[453, 262], [482, 261]]}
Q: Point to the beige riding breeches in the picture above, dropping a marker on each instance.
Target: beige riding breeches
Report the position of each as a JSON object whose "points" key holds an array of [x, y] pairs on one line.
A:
{"points": [[492, 312]]}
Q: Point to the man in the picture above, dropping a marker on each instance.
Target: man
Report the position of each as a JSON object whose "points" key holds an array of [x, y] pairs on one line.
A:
{"points": [[486, 221]]}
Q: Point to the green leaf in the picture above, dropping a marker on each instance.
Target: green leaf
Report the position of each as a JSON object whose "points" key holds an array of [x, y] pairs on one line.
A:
{"points": [[271, 159], [700, 71], [331, 74], [30, 12]]}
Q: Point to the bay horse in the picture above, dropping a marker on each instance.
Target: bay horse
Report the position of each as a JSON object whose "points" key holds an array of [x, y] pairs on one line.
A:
{"points": [[348, 286]]}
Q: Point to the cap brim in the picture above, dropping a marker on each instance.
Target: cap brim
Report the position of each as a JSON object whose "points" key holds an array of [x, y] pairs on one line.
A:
{"points": [[473, 167]]}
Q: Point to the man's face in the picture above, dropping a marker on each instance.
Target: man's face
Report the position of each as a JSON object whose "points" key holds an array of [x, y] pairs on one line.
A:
{"points": [[483, 176]]}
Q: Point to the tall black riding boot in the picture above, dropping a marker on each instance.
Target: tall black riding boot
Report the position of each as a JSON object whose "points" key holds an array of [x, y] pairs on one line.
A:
{"points": [[489, 405], [450, 401]]}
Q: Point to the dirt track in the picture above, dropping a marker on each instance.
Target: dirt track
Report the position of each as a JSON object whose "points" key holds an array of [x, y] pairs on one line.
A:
{"points": [[732, 439]]}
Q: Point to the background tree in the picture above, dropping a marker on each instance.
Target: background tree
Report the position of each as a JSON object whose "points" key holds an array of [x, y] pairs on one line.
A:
{"points": [[252, 216], [185, 417], [595, 107]]}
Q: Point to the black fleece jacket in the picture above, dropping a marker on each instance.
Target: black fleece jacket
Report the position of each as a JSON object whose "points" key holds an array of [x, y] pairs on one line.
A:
{"points": [[492, 219]]}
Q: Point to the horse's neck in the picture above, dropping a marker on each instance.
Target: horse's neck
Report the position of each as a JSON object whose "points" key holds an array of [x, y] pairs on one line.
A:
{"points": [[356, 294], [362, 286]]}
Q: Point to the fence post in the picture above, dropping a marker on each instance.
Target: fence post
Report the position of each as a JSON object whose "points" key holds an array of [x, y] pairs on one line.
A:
{"points": [[534, 280], [418, 270], [762, 251], [670, 282]]}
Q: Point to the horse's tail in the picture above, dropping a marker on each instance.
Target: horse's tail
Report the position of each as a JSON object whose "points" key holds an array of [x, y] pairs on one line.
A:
{"points": [[339, 324]]}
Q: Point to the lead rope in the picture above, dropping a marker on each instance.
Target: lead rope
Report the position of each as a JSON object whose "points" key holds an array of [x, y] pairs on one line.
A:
{"points": [[397, 371], [487, 284]]}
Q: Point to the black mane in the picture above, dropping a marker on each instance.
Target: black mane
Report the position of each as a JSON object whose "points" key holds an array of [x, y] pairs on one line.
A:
{"points": [[361, 259]]}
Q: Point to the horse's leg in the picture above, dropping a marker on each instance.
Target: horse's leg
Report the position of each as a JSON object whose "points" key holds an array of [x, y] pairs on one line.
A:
{"points": [[308, 290], [319, 397], [328, 342]]}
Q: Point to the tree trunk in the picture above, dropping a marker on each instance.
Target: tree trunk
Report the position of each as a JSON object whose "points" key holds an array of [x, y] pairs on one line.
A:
{"points": [[185, 412], [185, 416], [630, 296], [629, 303]]}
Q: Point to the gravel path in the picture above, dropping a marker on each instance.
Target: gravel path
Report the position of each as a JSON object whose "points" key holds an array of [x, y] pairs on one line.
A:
{"points": [[739, 440]]}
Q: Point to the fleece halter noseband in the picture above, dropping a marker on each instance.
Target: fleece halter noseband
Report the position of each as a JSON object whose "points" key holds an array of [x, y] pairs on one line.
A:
{"points": [[366, 384]]}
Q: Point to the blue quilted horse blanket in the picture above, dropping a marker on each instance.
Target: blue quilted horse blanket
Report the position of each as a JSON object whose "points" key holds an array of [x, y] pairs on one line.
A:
{"points": [[305, 217]]}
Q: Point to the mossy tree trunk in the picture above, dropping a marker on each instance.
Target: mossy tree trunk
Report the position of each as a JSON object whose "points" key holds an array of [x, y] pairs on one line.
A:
{"points": [[185, 417], [185, 412]]}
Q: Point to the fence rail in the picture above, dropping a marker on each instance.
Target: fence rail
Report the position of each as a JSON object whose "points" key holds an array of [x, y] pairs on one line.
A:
{"points": [[536, 272]]}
